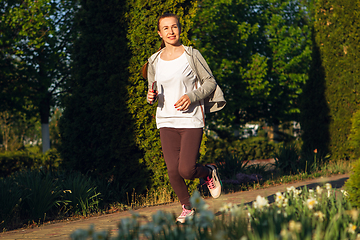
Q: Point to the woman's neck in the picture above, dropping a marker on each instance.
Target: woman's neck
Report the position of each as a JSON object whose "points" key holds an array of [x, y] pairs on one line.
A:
{"points": [[171, 52], [173, 48]]}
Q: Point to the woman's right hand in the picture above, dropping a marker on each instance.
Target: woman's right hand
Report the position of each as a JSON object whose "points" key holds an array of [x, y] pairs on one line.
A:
{"points": [[151, 95]]}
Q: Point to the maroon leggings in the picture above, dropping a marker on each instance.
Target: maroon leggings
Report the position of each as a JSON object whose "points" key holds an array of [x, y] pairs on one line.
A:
{"points": [[181, 149]]}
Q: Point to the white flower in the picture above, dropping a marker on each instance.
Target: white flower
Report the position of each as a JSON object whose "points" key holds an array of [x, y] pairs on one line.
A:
{"points": [[260, 202], [328, 194], [226, 207], [320, 215], [345, 193], [319, 190], [286, 202], [352, 228], [297, 192], [293, 191], [295, 226], [329, 189], [197, 202], [290, 189], [311, 202], [279, 197]]}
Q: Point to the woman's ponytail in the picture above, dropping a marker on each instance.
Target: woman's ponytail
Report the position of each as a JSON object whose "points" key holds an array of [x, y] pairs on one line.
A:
{"points": [[143, 70], [145, 66], [162, 45]]}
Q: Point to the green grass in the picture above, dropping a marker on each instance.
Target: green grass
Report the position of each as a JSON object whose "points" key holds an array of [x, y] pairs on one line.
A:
{"points": [[328, 169]]}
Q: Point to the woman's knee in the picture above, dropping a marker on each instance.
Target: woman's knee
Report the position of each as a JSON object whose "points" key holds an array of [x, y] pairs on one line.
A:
{"points": [[174, 172], [187, 173]]}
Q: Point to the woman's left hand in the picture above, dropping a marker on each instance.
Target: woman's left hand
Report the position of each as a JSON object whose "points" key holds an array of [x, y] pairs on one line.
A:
{"points": [[183, 103]]}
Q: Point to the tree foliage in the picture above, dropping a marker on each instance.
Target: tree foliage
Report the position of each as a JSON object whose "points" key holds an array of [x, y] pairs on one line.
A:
{"points": [[34, 59], [18, 30], [259, 52]]}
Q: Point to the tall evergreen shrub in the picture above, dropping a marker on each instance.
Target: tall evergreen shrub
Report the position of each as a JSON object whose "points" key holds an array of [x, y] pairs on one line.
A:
{"points": [[107, 128], [354, 136], [97, 128], [337, 24], [143, 42], [352, 186], [314, 117]]}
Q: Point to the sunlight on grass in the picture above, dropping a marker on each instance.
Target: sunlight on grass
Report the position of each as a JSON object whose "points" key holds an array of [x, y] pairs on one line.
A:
{"points": [[151, 198], [164, 196]]}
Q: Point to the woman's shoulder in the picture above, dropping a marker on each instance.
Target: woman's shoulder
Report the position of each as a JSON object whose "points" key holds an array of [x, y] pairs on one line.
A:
{"points": [[192, 51], [154, 56]]}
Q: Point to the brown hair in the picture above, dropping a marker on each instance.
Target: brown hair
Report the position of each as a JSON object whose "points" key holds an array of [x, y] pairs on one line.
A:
{"points": [[165, 15]]}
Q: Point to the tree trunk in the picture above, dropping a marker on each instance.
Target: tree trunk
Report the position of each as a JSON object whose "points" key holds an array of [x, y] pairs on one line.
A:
{"points": [[276, 136], [45, 137], [45, 115]]}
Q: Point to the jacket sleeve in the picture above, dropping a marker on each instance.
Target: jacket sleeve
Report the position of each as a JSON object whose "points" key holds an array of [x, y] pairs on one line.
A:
{"points": [[150, 76], [205, 76]]}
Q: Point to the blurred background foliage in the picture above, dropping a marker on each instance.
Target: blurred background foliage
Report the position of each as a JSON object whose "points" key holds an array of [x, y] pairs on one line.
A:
{"points": [[70, 79]]}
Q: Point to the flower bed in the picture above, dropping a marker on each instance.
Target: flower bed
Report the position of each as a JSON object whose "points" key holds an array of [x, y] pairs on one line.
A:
{"points": [[322, 213]]}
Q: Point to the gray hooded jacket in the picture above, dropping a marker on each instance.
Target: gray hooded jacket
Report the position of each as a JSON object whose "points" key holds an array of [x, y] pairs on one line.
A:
{"points": [[209, 90]]}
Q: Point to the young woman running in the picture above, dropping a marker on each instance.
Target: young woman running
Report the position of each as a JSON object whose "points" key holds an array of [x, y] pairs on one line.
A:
{"points": [[185, 89]]}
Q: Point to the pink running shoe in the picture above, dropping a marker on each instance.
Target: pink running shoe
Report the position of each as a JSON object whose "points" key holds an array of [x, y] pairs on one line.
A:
{"points": [[213, 182], [185, 214]]}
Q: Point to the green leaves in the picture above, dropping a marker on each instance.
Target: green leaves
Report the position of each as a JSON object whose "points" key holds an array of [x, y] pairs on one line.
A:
{"points": [[257, 69], [259, 52], [29, 19], [34, 55]]}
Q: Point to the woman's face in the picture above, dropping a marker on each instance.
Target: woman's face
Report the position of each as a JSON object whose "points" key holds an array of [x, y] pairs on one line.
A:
{"points": [[170, 30]]}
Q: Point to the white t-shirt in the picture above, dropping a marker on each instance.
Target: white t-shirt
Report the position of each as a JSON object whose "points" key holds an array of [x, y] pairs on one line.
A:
{"points": [[174, 79]]}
